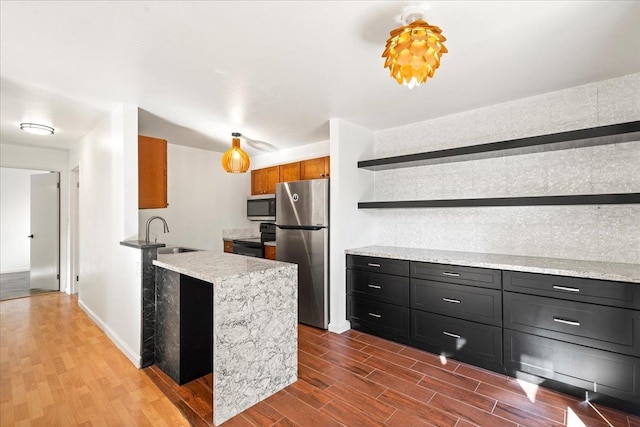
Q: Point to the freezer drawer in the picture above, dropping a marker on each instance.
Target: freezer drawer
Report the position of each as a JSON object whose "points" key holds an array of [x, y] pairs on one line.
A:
{"points": [[308, 249]]}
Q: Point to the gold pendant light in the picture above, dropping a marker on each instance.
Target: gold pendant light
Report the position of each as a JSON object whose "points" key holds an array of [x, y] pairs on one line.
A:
{"points": [[234, 160], [413, 51]]}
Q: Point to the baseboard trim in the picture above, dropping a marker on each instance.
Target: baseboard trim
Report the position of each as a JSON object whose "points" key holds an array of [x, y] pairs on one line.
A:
{"points": [[339, 327], [124, 348]]}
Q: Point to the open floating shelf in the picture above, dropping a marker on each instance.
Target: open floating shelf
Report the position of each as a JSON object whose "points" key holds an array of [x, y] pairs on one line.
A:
{"points": [[585, 199], [602, 135]]}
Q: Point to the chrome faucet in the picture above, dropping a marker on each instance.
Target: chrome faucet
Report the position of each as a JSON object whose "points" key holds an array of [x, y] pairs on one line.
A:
{"points": [[166, 227]]}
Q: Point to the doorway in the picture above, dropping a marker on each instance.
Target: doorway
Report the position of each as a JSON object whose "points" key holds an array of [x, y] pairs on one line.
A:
{"points": [[30, 224]]}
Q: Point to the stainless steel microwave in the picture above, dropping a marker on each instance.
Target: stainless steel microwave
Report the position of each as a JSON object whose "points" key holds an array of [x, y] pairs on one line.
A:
{"points": [[261, 208]]}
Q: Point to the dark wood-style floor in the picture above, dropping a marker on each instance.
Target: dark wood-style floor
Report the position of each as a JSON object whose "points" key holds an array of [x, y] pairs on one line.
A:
{"points": [[16, 285], [355, 379]]}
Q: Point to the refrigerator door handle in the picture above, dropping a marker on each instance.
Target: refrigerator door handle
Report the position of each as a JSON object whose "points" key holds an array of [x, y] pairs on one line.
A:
{"points": [[301, 227]]}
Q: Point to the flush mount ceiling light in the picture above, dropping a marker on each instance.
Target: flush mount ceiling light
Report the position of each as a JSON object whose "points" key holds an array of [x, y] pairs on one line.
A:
{"points": [[413, 51], [234, 160], [36, 129]]}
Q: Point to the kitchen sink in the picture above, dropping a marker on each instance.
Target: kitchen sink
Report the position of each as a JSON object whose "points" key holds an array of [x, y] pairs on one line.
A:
{"points": [[174, 250]]}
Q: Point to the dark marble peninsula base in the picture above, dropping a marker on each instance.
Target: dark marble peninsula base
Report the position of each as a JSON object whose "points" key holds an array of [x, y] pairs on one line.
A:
{"points": [[149, 252], [184, 326]]}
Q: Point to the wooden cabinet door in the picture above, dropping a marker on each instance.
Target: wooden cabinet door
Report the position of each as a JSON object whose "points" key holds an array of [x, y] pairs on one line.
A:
{"points": [[270, 252], [228, 246], [290, 172], [152, 172], [314, 168], [263, 181], [271, 179], [257, 178]]}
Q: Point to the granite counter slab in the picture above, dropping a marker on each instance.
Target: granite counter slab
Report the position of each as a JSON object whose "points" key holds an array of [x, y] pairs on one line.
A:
{"points": [[211, 266], [621, 272], [255, 315]]}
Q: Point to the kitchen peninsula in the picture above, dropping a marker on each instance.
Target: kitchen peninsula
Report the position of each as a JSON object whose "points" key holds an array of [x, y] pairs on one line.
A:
{"points": [[254, 329]]}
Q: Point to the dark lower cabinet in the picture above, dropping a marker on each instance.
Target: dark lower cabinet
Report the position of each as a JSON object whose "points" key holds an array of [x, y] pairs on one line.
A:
{"points": [[606, 328], [456, 338], [465, 302], [378, 318], [588, 368], [184, 326], [382, 287], [576, 335]]}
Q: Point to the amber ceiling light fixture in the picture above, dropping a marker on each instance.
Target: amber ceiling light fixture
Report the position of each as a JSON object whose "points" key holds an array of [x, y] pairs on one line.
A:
{"points": [[234, 160], [413, 51]]}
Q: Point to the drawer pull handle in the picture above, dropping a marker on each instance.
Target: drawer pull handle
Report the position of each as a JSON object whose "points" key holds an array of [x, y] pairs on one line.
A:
{"points": [[371, 285], [375, 315], [373, 265], [566, 322], [455, 301], [449, 334], [564, 288], [446, 273]]}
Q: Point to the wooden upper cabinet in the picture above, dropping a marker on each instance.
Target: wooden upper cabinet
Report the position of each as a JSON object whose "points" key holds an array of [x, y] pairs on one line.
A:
{"points": [[314, 168], [270, 252], [290, 172], [152, 172], [263, 181]]}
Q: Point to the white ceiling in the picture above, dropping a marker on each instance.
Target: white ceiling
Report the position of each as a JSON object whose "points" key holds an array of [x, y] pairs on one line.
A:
{"points": [[278, 71]]}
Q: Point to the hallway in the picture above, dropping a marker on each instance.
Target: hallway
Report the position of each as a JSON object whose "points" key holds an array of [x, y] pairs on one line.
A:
{"points": [[16, 285]]}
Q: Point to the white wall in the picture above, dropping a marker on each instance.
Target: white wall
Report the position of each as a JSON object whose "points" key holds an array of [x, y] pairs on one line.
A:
{"points": [[308, 151], [15, 212], [348, 227], [110, 274], [203, 200], [21, 157], [600, 233]]}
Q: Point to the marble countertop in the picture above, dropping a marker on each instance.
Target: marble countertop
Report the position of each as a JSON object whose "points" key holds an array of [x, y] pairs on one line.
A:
{"points": [[240, 233], [271, 243], [210, 266], [142, 244], [622, 272]]}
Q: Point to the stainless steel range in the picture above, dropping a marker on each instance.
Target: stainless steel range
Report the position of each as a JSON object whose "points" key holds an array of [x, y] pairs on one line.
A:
{"points": [[254, 246]]}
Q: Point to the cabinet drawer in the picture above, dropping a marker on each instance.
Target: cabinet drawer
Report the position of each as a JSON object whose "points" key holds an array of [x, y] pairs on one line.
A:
{"points": [[472, 276], [379, 265], [378, 317], [381, 287], [457, 337], [465, 302], [616, 294], [608, 328], [596, 370]]}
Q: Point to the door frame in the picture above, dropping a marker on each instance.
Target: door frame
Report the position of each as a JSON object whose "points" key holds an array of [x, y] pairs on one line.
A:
{"points": [[74, 230]]}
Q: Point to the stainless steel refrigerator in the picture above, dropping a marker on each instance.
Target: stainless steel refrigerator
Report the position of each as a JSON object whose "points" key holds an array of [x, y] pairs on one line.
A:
{"points": [[302, 237]]}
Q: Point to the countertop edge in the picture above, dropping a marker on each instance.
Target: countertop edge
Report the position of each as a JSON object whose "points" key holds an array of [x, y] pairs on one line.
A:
{"points": [[510, 262], [162, 262], [141, 244]]}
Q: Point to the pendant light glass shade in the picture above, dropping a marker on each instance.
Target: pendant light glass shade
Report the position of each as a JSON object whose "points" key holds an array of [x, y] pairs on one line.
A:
{"points": [[413, 52], [234, 160]]}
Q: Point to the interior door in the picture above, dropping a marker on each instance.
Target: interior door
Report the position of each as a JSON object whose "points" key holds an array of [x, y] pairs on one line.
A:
{"points": [[45, 234]]}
